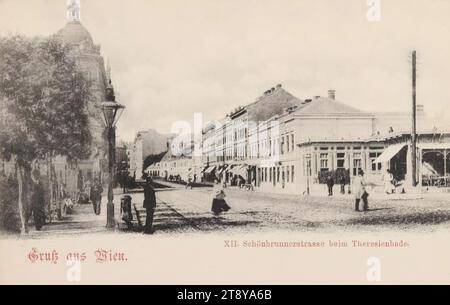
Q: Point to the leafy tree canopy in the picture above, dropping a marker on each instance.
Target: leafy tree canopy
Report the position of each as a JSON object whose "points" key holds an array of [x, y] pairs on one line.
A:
{"points": [[43, 100]]}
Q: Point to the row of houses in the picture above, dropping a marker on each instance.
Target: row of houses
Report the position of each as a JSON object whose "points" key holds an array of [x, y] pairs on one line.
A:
{"points": [[280, 143]]}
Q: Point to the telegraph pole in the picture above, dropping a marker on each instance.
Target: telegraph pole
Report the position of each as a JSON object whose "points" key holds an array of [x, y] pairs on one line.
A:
{"points": [[414, 122]]}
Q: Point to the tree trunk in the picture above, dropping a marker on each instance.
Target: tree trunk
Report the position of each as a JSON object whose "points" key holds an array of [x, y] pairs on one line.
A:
{"points": [[22, 208], [50, 189], [58, 185]]}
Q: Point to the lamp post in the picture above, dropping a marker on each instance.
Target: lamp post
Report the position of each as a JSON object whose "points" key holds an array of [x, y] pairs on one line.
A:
{"points": [[111, 114], [308, 172]]}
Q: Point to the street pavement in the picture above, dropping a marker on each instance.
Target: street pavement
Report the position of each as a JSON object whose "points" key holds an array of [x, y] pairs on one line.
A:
{"points": [[268, 212], [181, 210]]}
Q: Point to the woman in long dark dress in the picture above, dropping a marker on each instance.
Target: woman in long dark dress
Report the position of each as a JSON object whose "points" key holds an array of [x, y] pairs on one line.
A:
{"points": [[219, 204]]}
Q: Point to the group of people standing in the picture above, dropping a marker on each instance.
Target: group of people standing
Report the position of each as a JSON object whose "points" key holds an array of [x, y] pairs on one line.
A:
{"points": [[358, 188]]}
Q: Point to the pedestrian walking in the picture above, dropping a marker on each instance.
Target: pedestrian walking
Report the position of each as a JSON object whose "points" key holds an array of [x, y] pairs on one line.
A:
{"points": [[330, 185], [342, 182], [96, 196], [38, 201], [189, 183], [359, 189], [149, 205], [388, 179]]}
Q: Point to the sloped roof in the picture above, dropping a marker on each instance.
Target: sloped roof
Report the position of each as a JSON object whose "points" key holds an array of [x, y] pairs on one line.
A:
{"points": [[271, 104], [169, 155], [328, 106]]}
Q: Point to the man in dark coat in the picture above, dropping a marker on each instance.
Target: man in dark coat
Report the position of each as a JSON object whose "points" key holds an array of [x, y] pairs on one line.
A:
{"points": [[342, 182], [96, 196], [38, 201], [149, 205], [330, 184]]}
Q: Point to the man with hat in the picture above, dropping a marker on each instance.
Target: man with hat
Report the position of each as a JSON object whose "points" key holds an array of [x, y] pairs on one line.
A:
{"points": [[38, 200], [149, 205]]}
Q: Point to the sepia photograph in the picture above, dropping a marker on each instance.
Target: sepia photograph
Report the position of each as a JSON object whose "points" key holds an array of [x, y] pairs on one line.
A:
{"points": [[224, 142]]}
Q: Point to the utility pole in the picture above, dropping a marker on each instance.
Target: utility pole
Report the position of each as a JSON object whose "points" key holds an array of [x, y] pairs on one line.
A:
{"points": [[414, 123]]}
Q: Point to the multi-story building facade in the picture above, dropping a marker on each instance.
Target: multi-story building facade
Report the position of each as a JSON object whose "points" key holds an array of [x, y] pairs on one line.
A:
{"points": [[146, 143], [280, 143]]}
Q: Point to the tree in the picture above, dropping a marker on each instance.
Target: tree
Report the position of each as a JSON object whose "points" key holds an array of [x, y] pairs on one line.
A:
{"points": [[43, 99]]}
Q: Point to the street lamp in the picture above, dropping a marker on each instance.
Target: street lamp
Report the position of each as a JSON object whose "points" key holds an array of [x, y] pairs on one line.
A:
{"points": [[111, 114], [308, 172]]}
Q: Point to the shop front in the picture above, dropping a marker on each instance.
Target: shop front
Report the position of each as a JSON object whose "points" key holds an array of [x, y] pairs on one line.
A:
{"points": [[435, 164]]}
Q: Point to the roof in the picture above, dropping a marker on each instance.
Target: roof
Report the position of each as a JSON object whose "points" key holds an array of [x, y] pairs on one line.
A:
{"points": [[171, 156], [75, 33], [328, 106], [271, 103]]}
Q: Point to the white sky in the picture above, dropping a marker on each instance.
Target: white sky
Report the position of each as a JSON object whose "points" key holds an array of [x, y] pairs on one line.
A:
{"points": [[171, 58]]}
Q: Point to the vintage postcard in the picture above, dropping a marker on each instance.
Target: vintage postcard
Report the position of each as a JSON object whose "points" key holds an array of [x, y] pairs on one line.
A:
{"points": [[224, 142]]}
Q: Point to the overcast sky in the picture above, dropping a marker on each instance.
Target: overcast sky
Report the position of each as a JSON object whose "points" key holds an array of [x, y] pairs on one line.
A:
{"points": [[171, 58]]}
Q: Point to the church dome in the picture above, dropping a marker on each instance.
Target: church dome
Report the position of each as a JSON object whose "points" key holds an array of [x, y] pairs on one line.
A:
{"points": [[75, 33]]}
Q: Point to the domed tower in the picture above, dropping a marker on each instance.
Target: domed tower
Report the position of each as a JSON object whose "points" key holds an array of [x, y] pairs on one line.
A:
{"points": [[88, 57]]}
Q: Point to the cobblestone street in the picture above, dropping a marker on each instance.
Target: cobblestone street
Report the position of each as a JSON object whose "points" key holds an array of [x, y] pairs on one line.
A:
{"points": [[268, 212], [189, 211]]}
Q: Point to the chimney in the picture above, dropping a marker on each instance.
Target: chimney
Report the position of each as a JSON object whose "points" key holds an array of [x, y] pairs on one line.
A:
{"points": [[279, 86], [332, 94]]}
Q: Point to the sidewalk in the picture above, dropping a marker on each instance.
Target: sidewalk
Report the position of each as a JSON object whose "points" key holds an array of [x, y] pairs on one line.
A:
{"points": [[81, 221]]}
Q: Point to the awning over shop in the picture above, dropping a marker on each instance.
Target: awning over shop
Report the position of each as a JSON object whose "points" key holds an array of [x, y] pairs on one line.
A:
{"points": [[434, 146], [221, 169], [210, 169], [204, 169], [240, 170], [389, 153]]}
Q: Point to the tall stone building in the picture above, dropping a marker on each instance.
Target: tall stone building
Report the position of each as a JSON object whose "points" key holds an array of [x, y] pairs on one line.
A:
{"points": [[89, 59], [147, 143]]}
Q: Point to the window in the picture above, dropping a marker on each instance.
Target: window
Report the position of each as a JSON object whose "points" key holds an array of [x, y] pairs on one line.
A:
{"points": [[323, 161], [282, 145], [340, 160], [292, 173], [278, 174], [287, 174], [292, 142], [270, 175], [287, 144], [356, 165], [375, 166]]}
